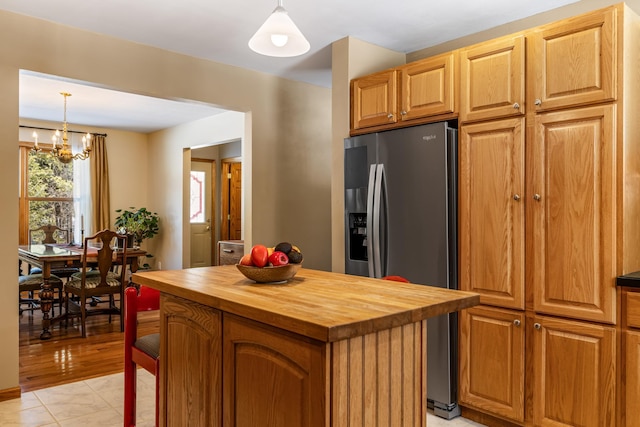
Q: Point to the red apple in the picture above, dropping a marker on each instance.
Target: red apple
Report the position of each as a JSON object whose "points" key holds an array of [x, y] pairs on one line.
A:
{"points": [[259, 255], [278, 258]]}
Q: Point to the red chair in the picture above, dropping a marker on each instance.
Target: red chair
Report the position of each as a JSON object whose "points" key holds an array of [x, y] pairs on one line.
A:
{"points": [[396, 279], [143, 351]]}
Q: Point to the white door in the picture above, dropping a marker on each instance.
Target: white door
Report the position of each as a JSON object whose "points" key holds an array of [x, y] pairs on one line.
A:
{"points": [[200, 213]]}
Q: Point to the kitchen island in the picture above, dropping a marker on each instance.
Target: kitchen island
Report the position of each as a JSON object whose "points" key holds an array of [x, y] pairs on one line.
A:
{"points": [[323, 349]]}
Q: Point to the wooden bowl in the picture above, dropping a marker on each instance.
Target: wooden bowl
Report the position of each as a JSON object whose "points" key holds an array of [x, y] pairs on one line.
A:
{"points": [[278, 274]]}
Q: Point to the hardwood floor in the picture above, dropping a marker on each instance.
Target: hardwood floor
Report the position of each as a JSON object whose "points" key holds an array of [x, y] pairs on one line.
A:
{"points": [[67, 357]]}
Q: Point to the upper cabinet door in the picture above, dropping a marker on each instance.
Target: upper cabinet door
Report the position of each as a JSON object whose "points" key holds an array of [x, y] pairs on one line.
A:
{"points": [[492, 82], [571, 208], [574, 61], [374, 100], [427, 87]]}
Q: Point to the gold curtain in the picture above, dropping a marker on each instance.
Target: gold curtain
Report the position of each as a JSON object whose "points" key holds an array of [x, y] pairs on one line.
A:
{"points": [[101, 206]]}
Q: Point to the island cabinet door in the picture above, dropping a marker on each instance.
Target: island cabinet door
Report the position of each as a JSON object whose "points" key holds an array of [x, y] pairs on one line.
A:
{"points": [[272, 378], [190, 364]]}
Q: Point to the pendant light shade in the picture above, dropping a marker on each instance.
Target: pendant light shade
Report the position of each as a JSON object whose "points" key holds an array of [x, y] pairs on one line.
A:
{"points": [[279, 36]]}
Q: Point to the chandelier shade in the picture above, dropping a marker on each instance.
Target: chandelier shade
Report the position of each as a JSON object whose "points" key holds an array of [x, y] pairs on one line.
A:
{"points": [[61, 148], [279, 36]]}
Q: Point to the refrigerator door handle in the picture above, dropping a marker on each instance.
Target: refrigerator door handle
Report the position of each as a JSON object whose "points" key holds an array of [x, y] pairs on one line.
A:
{"points": [[377, 201], [370, 191]]}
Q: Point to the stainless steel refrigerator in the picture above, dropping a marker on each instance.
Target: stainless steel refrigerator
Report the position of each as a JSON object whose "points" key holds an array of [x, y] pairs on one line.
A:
{"points": [[400, 219]]}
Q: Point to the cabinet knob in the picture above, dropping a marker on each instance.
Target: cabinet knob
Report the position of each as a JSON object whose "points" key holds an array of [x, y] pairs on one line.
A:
{"points": [[516, 106], [516, 197], [538, 102], [516, 322], [404, 113], [389, 116], [537, 197], [538, 326]]}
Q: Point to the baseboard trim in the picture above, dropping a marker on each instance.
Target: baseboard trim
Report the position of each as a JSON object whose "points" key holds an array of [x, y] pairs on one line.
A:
{"points": [[9, 393], [486, 419]]}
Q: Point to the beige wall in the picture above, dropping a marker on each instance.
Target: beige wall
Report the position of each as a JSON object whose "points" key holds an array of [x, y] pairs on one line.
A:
{"points": [[286, 135]]}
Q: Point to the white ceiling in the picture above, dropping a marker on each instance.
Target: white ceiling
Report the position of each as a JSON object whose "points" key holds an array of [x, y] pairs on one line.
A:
{"points": [[219, 31]]}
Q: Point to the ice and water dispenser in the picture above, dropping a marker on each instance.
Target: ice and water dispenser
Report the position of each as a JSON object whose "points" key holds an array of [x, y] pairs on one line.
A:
{"points": [[357, 236]]}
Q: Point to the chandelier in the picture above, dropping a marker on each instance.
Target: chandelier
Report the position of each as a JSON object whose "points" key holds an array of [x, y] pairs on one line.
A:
{"points": [[61, 149]]}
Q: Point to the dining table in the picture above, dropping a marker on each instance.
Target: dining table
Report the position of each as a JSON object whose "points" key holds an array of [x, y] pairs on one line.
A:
{"points": [[51, 256]]}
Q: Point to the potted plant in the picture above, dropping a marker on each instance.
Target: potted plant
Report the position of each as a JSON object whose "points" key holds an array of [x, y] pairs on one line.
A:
{"points": [[140, 223]]}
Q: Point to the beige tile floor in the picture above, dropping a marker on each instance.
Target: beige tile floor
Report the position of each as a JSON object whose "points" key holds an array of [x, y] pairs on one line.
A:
{"points": [[95, 402], [99, 402]]}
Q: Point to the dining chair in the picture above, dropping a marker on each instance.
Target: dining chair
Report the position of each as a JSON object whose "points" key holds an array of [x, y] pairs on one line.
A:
{"points": [[52, 234], [143, 351], [49, 233], [96, 278]]}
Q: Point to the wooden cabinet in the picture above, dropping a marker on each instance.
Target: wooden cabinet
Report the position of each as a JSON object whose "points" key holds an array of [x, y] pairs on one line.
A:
{"points": [[190, 342], [427, 87], [491, 211], [578, 162], [230, 251], [572, 206], [374, 100], [574, 373], [574, 62], [493, 381], [492, 79], [412, 93]]}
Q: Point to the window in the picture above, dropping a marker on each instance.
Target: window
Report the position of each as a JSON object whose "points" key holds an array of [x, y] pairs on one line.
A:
{"points": [[46, 192], [197, 213]]}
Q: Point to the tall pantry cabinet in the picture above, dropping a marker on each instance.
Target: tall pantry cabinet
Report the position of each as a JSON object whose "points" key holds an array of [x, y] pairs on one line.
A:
{"points": [[549, 201]]}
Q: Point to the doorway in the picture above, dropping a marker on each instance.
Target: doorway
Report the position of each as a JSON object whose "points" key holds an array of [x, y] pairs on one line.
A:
{"points": [[231, 200], [224, 219]]}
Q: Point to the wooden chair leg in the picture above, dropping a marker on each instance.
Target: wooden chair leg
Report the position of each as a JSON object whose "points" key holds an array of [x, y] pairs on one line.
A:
{"points": [[66, 310], [83, 317]]}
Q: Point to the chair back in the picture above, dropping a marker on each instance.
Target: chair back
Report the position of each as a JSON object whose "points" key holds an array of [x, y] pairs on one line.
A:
{"points": [[107, 255], [145, 300], [49, 234]]}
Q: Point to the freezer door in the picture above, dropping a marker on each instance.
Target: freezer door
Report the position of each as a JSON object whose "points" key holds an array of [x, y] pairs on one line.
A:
{"points": [[360, 154], [415, 162]]}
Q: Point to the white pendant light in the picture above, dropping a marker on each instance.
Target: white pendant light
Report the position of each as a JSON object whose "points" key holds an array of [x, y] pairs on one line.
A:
{"points": [[279, 36]]}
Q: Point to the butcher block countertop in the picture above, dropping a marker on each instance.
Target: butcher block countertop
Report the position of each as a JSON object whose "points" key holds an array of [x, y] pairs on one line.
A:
{"points": [[321, 305]]}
